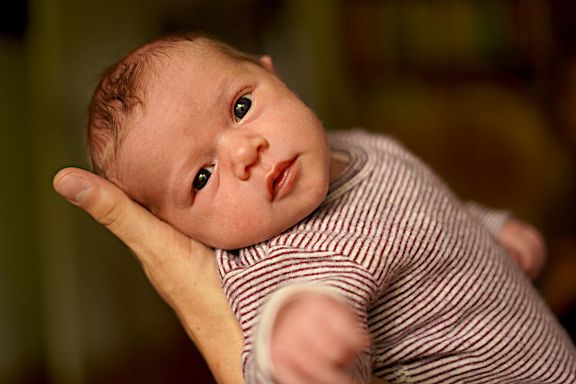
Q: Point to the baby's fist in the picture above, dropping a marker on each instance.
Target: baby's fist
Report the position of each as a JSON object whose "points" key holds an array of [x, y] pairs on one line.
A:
{"points": [[315, 340], [525, 245]]}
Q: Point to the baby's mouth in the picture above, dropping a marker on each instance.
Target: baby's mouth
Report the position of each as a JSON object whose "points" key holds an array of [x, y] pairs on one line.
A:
{"points": [[281, 178]]}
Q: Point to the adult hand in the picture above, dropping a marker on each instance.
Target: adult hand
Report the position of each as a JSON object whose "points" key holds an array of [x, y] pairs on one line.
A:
{"points": [[182, 270]]}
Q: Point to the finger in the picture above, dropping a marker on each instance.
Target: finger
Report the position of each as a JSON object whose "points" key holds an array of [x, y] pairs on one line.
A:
{"points": [[531, 244], [308, 367], [532, 236], [148, 236], [335, 330], [347, 330], [536, 242], [317, 345], [343, 340], [528, 259], [334, 347], [518, 256]]}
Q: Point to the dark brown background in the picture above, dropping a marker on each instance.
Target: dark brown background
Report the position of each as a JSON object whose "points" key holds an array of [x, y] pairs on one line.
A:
{"points": [[485, 91]]}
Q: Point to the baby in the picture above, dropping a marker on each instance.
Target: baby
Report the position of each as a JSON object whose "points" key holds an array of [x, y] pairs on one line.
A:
{"points": [[322, 241]]}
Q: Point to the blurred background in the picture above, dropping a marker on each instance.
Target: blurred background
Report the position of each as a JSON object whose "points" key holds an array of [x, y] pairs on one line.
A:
{"points": [[484, 91]]}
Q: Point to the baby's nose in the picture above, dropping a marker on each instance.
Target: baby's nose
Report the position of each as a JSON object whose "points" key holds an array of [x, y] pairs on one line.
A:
{"points": [[244, 153]]}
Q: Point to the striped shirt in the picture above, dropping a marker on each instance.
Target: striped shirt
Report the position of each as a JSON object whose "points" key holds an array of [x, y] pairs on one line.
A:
{"points": [[441, 299]]}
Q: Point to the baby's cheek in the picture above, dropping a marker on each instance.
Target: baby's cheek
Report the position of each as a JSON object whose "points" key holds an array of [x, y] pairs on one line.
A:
{"points": [[234, 235]]}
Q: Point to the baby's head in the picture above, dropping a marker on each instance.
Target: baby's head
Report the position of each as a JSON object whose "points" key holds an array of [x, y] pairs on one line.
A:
{"points": [[210, 140]]}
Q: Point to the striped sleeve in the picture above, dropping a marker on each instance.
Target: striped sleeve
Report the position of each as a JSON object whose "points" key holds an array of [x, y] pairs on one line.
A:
{"points": [[250, 288], [492, 219]]}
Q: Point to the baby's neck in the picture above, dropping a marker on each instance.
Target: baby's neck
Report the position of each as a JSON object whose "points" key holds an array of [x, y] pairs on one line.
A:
{"points": [[338, 161]]}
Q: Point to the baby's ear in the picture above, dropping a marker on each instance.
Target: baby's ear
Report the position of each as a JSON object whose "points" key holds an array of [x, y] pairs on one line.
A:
{"points": [[266, 62]]}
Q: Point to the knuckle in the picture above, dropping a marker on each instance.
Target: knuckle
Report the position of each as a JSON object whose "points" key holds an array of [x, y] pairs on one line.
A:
{"points": [[110, 215]]}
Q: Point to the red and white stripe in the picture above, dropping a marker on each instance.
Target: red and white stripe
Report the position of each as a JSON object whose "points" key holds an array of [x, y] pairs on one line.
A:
{"points": [[441, 299]]}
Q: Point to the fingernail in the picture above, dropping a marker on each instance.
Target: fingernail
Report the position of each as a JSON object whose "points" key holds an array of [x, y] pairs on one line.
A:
{"points": [[74, 188]]}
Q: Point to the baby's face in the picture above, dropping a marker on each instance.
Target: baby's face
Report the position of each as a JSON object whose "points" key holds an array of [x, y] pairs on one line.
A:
{"points": [[223, 150]]}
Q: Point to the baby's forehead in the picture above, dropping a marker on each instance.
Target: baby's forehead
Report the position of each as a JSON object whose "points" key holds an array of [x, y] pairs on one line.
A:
{"points": [[177, 58], [200, 50]]}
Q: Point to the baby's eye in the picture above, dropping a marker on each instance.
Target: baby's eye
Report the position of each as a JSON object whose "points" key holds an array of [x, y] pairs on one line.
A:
{"points": [[202, 178], [242, 106]]}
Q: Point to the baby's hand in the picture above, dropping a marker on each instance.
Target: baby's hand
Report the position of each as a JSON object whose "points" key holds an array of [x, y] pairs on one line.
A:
{"points": [[314, 340], [525, 244]]}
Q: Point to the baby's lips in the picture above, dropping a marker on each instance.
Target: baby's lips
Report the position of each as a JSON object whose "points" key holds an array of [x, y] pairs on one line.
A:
{"points": [[275, 173]]}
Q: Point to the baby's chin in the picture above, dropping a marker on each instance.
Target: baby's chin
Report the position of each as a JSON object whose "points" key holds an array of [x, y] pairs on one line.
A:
{"points": [[243, 238], [230, 242], [247, 234], [233, 238]]}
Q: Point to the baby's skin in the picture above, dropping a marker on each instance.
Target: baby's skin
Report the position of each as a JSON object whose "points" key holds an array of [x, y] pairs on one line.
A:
{"points": [[195, 158]]}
